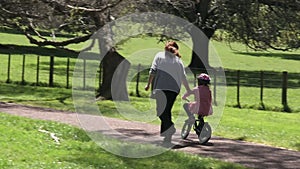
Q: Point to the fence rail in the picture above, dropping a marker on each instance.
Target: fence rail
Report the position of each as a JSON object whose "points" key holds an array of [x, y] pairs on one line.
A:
{"points": [[34, 70]]}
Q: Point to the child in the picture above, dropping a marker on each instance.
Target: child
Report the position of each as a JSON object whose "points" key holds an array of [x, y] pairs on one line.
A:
{"points": [[203, 100]]}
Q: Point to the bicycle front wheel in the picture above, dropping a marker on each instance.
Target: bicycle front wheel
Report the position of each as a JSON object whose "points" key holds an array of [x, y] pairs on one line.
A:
{"points": [[186, 128]]}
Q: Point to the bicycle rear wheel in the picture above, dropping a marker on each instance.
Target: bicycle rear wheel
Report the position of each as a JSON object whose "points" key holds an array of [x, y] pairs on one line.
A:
{"points": [[186, 128], [205, 133]]}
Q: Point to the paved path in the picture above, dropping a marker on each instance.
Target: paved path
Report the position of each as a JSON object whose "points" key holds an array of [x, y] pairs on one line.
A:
{"points": [[245, 153]]}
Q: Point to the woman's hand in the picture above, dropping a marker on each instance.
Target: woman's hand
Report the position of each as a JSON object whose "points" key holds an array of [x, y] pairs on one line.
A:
{"points": [[147, 87], [186, 94], [150, 79]]}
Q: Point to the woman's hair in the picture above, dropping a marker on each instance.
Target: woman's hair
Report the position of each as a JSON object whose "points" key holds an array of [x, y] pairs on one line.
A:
{"points": [[171, 46]]}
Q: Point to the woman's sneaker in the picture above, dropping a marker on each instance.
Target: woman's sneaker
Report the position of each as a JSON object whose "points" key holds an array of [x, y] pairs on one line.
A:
{"points": [[167, 142]]}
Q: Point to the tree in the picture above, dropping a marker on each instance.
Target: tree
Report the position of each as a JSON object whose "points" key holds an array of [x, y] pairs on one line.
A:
{"points": [[83, 18], [259, 24]]}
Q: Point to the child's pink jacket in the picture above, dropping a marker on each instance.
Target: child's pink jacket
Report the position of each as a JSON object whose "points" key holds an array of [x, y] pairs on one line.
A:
{"points": [[203, 101]]}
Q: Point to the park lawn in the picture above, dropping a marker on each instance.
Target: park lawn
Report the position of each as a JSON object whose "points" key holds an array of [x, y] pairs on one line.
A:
{"points": [[23, 146], [236, 57], [30, 70], [272, 128], [14, 38], [240, 58], [141, 50], [250, 98]]}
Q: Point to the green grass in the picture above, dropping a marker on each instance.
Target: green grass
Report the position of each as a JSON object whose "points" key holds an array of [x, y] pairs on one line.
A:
{"points": [[272, 128], [23, 146], [239, 58], [250, 98], [276, 129], [141, 50], [47, 97]]}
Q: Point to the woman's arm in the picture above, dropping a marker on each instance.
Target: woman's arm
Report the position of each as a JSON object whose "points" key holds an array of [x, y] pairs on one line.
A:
{"points": [[152, 71], [186, 85], [150, 79], [187, 94]]}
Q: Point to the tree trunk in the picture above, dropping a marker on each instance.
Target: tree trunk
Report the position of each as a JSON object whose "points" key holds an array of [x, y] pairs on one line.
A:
{"points": [[200, 56], [115, 71], [115, 67]]}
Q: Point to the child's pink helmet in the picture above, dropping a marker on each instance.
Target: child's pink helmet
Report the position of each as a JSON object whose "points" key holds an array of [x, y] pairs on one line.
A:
{"points": [[204, 77]]}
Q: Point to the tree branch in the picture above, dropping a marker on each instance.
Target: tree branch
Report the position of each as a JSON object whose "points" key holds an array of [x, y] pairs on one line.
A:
{"points": [[94, 10], [62, 7], [176, 9], [13, 14], [295, 5], [54, 43], [31, 27]]}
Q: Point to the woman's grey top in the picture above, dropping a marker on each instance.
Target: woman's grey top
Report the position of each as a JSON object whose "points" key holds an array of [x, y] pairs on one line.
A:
{"points": [[168, 70]]}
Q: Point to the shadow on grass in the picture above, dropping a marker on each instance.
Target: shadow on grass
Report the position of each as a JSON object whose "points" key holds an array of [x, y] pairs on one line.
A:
{"points": [[32, 94], [36, 50], [297, 145], [271, 79], [288, 56]]}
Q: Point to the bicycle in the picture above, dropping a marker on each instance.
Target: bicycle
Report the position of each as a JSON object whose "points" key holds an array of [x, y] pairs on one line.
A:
{"points": [[202, 129]]}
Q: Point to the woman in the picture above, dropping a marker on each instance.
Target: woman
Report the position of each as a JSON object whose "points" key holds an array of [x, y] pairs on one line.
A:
{"points": [[167, 71]]}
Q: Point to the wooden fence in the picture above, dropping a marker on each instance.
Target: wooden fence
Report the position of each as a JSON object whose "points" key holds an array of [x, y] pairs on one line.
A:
{"points": [[48, 68], [236, 78], [240, 79], [261, 81]]}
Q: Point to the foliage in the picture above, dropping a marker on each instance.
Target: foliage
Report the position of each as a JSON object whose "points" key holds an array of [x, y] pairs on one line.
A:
{"points": [[260, 24], [263, 24]]}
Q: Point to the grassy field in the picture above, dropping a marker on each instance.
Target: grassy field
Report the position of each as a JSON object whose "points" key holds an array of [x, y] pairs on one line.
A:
{"points": [[142, 50], [24, 146], [249, 124], [272, 128]]}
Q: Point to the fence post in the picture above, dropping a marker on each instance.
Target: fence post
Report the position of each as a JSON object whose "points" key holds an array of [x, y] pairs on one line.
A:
{"points": [[8, 69], [215, 87], [195, 79], [100, 75], [51, 71], [84, 72], [23, 70], [137, 81], [37, 70], [262, 89], [238, 89], [68, 71], [284, 89]]}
